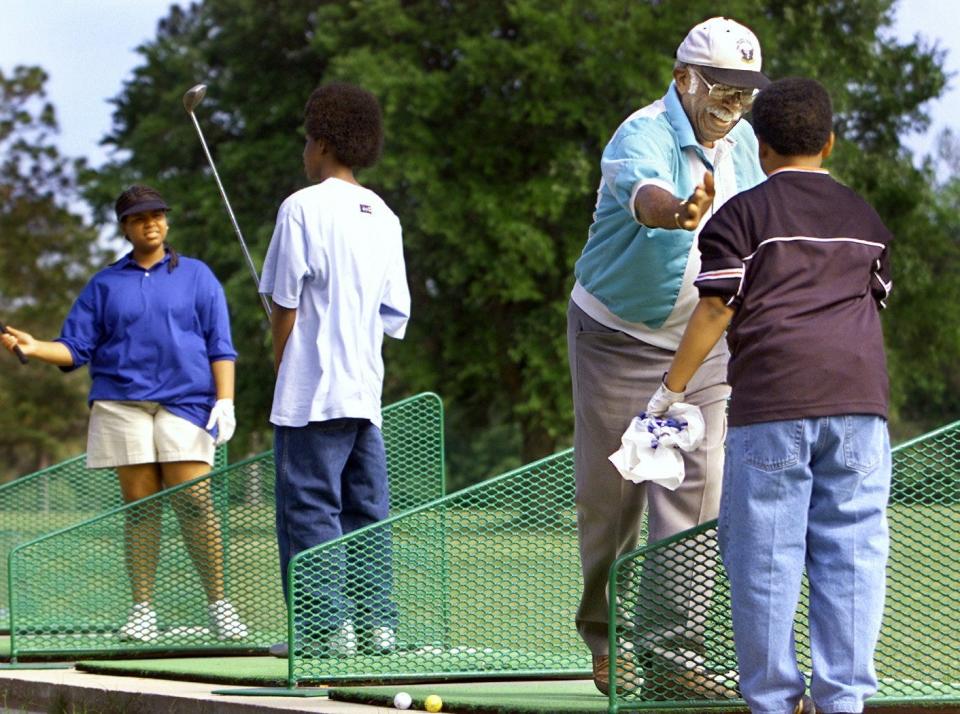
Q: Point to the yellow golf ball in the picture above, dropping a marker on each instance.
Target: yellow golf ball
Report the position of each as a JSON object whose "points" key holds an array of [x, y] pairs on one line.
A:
{"points": [[433, 703]]}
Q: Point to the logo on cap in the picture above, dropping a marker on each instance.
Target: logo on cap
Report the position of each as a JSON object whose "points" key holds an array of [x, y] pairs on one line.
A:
{"points": [[745, 47]]}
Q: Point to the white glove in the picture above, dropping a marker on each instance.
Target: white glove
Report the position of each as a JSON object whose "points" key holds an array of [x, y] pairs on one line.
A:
{"points": [[650, 447], [223, 417], [662, 400]]}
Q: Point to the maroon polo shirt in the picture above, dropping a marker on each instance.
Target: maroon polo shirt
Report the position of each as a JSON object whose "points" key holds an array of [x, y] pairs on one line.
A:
{"points": [[806, 264]]}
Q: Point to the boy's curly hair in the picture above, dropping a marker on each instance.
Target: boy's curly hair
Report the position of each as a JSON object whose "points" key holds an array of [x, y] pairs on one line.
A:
{"points": [[349, 119], [794, 116]]}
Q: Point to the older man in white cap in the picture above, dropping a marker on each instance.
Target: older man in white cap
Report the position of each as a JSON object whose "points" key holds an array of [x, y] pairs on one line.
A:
{"points": [[666, 169]]}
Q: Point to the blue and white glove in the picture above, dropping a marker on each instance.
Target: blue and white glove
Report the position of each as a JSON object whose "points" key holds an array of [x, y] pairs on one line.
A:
{"points": [[662, 400], [222, 416]]}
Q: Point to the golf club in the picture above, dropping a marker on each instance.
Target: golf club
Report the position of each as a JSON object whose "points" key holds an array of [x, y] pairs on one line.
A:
{"points": [[16, 350], [191, 100]]}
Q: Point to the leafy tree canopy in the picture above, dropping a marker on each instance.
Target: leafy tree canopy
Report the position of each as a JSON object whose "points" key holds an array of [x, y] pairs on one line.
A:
{"points": [[47, 252], [496, 114]]}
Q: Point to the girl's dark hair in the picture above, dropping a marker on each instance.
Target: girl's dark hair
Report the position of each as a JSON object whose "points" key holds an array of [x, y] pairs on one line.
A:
{"points": [[139, 198], [794, 116], [347, 117]]}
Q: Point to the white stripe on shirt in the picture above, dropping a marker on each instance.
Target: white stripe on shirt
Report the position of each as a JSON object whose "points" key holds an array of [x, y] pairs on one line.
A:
{"points": [[789, 239]]}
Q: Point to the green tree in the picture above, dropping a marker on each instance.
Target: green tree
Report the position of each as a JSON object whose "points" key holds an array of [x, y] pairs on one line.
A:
{"points": [[47, 252], [923, 327], [496, 114]]}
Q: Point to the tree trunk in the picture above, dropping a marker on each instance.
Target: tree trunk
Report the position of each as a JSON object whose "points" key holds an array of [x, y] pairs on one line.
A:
{"points": [[537, 443]]}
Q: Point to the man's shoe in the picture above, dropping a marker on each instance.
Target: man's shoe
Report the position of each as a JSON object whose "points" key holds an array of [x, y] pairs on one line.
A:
{"points": [[226, 621], [280, 649], [601, 673], [805, 706], [141, 625], [626, 672], [669, 684]]}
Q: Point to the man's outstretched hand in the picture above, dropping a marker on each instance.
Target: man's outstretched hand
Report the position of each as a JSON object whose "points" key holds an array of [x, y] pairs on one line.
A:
{"points": [[696, 206]]}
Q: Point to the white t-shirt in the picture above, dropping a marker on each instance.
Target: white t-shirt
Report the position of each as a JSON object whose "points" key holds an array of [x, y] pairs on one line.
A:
{"points": [[337, 257]]}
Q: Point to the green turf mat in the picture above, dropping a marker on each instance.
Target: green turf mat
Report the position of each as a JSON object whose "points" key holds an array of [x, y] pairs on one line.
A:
{"points": [[272, 672], [26, 661], [556, 696], [500, 697], [254, 671], [493, 697]]}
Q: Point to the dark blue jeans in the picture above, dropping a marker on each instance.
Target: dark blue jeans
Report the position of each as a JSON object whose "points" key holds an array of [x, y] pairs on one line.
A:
{"points": [[332, 480]]}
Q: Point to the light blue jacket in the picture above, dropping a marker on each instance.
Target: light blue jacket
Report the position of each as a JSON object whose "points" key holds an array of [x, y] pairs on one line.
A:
{"points": [[635, 271]]}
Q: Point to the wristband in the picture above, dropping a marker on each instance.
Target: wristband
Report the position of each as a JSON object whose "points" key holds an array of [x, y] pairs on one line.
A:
{"points": [[663, 381]]}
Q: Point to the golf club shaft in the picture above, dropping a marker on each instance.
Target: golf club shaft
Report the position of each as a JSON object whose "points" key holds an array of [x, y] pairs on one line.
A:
{"points": [[233, 219], [16, 350]]}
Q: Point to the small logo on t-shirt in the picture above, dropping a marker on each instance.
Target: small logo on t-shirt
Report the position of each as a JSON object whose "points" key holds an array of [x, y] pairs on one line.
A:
{"points": [[364, 208]]}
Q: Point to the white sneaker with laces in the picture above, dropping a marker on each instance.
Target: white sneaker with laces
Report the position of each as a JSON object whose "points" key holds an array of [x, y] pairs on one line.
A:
{"points": [[226, 621], [383, 640], [141, 625]]}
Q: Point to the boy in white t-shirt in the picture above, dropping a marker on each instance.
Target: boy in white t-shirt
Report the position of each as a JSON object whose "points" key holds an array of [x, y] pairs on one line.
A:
{"points": [[336, 275]]}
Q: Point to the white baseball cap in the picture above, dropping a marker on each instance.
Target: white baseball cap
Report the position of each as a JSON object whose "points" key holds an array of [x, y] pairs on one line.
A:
{"points": [[724, 51]]}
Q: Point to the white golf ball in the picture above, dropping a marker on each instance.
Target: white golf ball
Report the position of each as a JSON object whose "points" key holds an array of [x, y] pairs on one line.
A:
{"points": [[402, 700]]}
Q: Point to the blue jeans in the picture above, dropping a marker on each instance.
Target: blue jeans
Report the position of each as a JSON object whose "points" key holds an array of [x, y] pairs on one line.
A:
{"points": [[806, 492], [332, 480]]}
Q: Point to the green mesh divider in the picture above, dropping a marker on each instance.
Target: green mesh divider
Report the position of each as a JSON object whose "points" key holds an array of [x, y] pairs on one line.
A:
{"points": [[483, 582], [672, 600], [54, 498], [212, 538]]}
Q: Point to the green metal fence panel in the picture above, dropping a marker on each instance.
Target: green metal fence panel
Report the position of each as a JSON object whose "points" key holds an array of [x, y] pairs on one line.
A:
{"points": [[54, 498], [672, 598], [484, 582], [213, 538]]}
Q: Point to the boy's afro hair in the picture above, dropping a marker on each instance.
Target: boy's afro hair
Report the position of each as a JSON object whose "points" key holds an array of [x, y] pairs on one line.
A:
{"points": [[349, 119], [794, 116]]}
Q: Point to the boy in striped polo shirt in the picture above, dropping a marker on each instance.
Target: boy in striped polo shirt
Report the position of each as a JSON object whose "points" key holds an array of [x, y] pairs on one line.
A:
{"points": [[798, 269]]}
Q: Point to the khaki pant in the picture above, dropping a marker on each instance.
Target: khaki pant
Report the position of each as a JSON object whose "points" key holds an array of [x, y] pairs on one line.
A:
{"points": [[125, 433], [614, 375]]}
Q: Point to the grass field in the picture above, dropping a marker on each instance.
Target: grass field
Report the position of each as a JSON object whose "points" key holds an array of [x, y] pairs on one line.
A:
{"points": [[486, 582], [461, 574]]}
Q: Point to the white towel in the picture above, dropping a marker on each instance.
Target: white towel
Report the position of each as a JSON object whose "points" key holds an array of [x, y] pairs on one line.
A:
{"points": [[649, 447]]}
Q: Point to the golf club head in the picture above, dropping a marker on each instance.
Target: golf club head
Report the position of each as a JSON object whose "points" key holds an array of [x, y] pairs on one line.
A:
{"points": [[193, 96]]}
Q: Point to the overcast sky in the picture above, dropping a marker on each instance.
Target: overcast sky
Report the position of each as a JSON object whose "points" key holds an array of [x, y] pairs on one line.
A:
{"points": [[88, 48]]}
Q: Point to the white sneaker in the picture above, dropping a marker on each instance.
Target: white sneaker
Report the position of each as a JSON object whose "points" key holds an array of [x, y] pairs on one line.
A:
{"points": [[141, 624], [383, 640], [226, 621], [343, 642], [280, 649]]}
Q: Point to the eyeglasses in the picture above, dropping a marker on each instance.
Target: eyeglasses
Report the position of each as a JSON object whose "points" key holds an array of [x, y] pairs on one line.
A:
{"points": [[726, 93]]}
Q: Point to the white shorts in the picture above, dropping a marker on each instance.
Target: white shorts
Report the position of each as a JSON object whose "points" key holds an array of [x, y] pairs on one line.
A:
{"points": [[125, 433]]}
